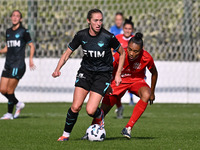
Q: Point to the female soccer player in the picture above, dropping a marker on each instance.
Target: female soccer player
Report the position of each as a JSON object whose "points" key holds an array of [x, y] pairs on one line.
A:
{"points": [[16, 38], [128, 28], [95, 73], [133, 74]]}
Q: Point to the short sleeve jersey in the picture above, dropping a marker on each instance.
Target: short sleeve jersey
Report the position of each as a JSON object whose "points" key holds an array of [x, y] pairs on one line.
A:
{"points": [[123, 40], [96, 49], [16, 42], [134, 70]]}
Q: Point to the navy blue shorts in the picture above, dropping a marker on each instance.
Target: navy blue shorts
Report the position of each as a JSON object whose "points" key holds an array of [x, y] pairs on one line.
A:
{"points": [[16, 73], [93, 81]]}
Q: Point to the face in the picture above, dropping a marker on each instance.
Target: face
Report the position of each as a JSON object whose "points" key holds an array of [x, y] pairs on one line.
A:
{"points": [[133, 51], [128, 30], [119, 21], [95, 22], [16, 18]]}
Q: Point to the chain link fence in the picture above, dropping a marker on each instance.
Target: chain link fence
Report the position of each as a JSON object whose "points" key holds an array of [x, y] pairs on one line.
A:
{"points": [[170, 27]]}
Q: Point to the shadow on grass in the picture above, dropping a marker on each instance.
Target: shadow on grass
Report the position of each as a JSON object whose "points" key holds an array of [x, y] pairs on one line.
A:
{"points": [[133, 138], [124, 138], [25, 117], [127, 117]]}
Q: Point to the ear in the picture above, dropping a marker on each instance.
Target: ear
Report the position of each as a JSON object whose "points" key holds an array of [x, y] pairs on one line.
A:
{"points": [[88, 21]]}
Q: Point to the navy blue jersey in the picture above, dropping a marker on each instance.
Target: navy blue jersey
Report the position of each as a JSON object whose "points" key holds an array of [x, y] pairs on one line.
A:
{"points": [[96, 49], [16, 42]]}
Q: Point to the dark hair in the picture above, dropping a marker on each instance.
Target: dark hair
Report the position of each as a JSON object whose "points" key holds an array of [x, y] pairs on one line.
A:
{"points": [[19, 13], [89, 15], [137, 39], [129, 21], [119, 13]]}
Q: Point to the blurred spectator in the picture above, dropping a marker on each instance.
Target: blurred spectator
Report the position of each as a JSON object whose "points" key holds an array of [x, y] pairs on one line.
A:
{"points": [[118, 27]]}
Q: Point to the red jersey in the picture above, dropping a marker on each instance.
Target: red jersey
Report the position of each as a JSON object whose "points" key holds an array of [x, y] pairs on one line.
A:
{"points": [[123, 40], [134, 70]]}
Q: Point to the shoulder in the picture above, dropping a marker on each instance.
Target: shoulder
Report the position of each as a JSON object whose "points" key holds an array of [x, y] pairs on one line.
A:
{"points": [[8, 30], [81, 32], [22, 28], [107, 33], [146, 55], [118, 36]]}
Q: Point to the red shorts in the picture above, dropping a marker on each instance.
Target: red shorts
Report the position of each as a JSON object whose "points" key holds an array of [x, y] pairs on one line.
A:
{"points": [[119, 91]]}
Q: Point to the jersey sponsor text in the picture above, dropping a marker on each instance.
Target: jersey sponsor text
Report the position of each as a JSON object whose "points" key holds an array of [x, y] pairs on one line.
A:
{"points": [[13, 43], [95, 54]]}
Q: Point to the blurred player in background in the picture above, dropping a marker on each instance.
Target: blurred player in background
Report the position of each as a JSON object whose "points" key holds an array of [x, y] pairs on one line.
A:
{"points": [[128, 29], [95, 73], [133, 74], [118, 27], [16, 38]]}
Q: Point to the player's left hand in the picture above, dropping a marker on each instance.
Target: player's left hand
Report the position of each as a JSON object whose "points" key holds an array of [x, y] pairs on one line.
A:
{"points": [[32, 65], [151, 99], [118, 80]]}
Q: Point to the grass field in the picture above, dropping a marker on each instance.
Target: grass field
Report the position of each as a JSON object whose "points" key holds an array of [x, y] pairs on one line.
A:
{"points": [[162, 127]]}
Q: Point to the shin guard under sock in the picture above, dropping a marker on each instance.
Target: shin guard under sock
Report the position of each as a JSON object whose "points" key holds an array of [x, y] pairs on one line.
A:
{"points": [[137, 112], [70, 121]]}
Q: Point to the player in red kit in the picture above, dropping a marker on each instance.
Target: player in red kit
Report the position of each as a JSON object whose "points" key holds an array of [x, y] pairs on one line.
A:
{"points": [[133, 74], [128, 28]]}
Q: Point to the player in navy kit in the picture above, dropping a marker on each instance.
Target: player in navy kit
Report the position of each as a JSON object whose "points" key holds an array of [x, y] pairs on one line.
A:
{"points": [[16, 39], [94, 75]]}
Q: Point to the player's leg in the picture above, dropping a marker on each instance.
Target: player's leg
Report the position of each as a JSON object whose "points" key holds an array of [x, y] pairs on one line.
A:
{"points": [[119, 110], [72, 114], [144, 94], [108, 102], [93, 110], [3, 89], [12, 100], [119, 91], [82, 88], [131, 98], [15, 75]]}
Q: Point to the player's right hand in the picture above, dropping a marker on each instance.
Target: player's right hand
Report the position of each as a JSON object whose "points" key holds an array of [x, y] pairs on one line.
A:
{"points": [[56, 74]]}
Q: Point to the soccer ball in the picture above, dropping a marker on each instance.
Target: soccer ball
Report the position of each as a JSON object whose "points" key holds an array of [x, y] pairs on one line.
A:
{"points": [[96, 133]]}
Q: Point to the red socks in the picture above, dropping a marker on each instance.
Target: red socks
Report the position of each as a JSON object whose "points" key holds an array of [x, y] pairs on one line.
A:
{"points": [[137, 112]]}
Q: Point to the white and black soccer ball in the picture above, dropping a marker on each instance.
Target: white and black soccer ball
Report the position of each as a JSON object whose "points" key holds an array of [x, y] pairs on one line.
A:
{"points": [[96, 133]]}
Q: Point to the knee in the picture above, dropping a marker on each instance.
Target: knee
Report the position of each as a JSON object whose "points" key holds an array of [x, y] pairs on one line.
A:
{"points": [[75, 108], [145, 96], [10, 90], [90, 111], [3, 91]]}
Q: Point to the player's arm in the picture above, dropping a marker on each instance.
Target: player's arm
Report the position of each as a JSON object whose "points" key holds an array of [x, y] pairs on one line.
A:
{"points": [[32, 51], [154, 77], [61, 62], [4, 50], [120, 65]]}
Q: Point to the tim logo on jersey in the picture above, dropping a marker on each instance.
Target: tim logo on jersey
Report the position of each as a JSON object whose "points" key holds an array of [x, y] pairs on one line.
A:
{"points": [[14, 43], [91, 53]]}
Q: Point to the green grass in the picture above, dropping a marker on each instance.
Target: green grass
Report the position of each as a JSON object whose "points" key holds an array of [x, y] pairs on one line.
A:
{"points": [[161, 127]]}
